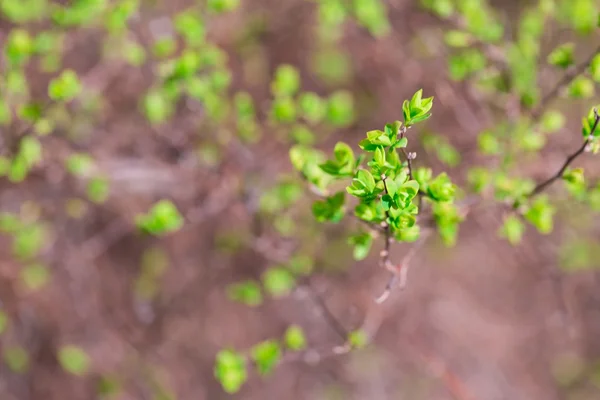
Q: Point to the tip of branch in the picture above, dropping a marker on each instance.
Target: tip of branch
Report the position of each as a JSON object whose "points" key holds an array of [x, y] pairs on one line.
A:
{"points": [[384, 296]]}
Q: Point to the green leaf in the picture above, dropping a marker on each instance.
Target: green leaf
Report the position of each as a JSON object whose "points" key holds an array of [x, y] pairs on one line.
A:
{"points": [[552, 121], [247, 292], [540, 214], [278, 281], [330, 209], [65, 87], [286, 81], [191, 27], [74, 360], [582, 88], [266, 355], [222, 6], [441, 188], [362, 245], [411, 188], [157, 107], [19, 46], [562, 56], [301, 264], [358, 339], [455, 38], [589, 125], [478, 178], [294, 338], [230, 370], [3, 322], [488, 143], [284, 109], [80, 164], [163, 218], [312, 106], [340, 108], [35, 276], [98, 190], [595, 68], [512, 229], [17, 359]]}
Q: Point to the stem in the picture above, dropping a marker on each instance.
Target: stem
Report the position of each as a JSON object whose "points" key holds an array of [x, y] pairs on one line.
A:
{"points": [[567, 78], [385, 253], [559, 174]]}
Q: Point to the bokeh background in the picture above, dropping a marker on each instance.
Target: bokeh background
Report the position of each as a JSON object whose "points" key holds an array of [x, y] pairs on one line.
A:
{"points": [[481, 320]]}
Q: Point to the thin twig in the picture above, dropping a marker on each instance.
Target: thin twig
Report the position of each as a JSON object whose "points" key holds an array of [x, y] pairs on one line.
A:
{"points": [[399, 272], [385, 253], [567, 78], [540, 187]]}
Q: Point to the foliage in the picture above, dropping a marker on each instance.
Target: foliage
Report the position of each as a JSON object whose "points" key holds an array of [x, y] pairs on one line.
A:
{"points": [[377, 182]]}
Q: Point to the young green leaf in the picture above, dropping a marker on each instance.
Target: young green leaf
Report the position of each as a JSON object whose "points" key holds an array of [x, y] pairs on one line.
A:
{"points": [[266, 355], [294, 338], [74, 360]]}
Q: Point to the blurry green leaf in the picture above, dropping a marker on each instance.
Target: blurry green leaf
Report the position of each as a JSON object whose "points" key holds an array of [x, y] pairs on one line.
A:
{"points": [[230, 370], [332, 65], [65, 87], [284, 109], [595, 68], [340, 108], [488, 143], [312, 106], [221, 6], [3, 322], [589, 125], [358, 339], [301, 264], [553, 121], [247, 292], [17, 359], [372, 15], [443, 8], [294, 338], [562, 56], [80, 164], [464, 64], [156, 107], [266, 355], [163, 218], [286, 81], [457, 38], [581, 88], [74, 360], [190, 26], [18, 47], [28, 241], [479, 178], [362, 245], [164, 47], [35, 276], [330, 209], [540, 214], [278, 281], [512, 229], [98, 190]]}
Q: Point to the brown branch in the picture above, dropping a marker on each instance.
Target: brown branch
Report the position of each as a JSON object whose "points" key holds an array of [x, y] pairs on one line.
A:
{"points": [[540, 187], [399, 272], [567, 78], [385, 253]]}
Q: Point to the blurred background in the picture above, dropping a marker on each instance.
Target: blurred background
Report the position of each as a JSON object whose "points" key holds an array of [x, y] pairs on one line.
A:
{"points": [[182, 100]]}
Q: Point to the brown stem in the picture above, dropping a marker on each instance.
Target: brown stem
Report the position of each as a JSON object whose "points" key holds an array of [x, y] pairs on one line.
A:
{"points": [[567, 78], [540, 187]]}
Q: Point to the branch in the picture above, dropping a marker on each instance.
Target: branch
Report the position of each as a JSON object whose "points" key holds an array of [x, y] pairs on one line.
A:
{"points": [[400, 272], [566, 80], [540, 187], [385, 253]]}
